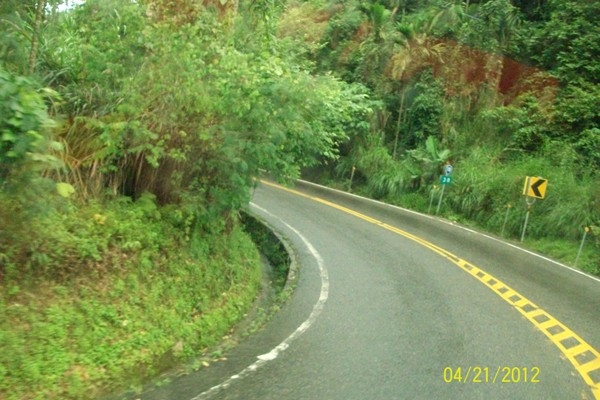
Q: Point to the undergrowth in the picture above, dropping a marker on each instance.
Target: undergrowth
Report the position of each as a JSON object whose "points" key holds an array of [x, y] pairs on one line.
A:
{"points": [[113, 294], [271, 248]]}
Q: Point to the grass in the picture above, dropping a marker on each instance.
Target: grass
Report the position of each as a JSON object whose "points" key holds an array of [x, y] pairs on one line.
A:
{"points": [[116, 296], [276, 289], [565, 251]]}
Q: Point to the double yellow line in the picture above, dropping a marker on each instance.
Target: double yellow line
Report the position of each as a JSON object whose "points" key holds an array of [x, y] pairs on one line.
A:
{"points": [[581, 354]]}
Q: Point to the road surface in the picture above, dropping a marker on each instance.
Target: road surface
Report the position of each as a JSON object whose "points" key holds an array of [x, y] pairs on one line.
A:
{"points": [[392, 304]]}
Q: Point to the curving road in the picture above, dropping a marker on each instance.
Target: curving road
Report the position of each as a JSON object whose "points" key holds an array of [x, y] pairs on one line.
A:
{"points": [[391, 304]]}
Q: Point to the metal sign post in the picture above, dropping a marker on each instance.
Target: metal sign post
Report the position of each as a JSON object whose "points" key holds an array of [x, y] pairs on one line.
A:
{"points": [[431, 199], [508, 207], [437, 210], [444, 180], [351, 178], [585, 232], [529, 204]]}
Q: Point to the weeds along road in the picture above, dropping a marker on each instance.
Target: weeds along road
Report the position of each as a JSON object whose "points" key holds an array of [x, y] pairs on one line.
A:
{"points": [[392, 304]]}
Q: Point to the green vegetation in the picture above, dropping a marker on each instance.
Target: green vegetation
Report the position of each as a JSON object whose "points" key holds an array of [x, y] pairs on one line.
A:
{"points": [[501, 89], [272, 248], [115, 295], [131, 133], [130, 136]]}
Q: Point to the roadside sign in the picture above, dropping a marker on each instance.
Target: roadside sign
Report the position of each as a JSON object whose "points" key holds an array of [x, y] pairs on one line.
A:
{"points": [[445, 180], [535, 187], [448, 169]]}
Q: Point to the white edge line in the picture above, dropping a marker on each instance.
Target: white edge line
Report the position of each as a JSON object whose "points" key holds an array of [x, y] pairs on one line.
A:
{"points": [[281, 347], [454, 225]]}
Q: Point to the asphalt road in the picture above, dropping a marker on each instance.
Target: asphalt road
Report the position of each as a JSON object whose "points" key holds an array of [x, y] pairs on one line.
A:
{"points": [[391, 304]]}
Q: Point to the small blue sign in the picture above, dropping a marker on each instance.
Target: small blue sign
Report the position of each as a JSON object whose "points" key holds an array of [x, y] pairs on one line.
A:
{"points": [[445, 179], [448, 169]]}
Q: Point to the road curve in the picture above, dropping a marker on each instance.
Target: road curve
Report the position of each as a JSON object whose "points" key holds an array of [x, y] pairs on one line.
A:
{"points": [[392, 304]]}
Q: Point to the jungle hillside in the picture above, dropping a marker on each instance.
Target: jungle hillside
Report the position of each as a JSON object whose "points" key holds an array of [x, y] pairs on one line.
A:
{"points": [[500, 90], [132, 134]]}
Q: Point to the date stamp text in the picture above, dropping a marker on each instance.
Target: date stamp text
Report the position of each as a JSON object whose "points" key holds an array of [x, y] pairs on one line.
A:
{"points": [[498, 374]]}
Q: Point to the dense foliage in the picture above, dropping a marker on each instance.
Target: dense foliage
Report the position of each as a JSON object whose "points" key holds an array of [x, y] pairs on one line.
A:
{"points": [[501, 89], [131, 133]]}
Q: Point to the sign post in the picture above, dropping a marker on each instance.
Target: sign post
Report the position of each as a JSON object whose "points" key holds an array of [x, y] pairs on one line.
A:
{"points": [[533, 189], [585, 232], [508, 207], [431, 198], [445, 179], [529, 204], [351, 178]]}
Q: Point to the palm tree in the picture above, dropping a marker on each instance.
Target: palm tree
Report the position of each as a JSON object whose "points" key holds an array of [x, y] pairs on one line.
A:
{"points": [[419, 50]]}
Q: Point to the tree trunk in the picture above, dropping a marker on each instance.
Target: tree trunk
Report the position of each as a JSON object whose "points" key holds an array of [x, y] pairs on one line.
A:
{"points": [[35, 40]]}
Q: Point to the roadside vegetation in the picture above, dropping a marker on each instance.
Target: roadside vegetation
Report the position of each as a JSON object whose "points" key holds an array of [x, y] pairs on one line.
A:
{"points": [[500, 89], [131, 133], [130, 136], [118, 298]]}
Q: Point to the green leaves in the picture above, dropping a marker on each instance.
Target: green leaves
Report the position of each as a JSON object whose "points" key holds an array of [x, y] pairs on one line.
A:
{"points": [[25, 143], [200, 117], [588, 145], [577, 108], [569, 43], [64, 189]]}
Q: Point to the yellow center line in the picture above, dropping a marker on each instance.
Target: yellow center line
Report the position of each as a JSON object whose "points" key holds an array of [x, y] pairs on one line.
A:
{"points": [[581, 354]]}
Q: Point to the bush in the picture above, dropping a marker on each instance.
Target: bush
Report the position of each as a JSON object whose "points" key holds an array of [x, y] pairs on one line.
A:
{"points": [[25, 142]]}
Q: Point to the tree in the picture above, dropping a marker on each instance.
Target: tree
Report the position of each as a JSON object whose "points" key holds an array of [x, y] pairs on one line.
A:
{"points": [[181, 111], [569, 43], [35, 40], [25, 140], [15, 40]]}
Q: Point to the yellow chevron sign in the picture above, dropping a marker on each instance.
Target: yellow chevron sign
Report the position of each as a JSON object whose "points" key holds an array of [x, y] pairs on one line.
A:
{"points": [[535, 187]]}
